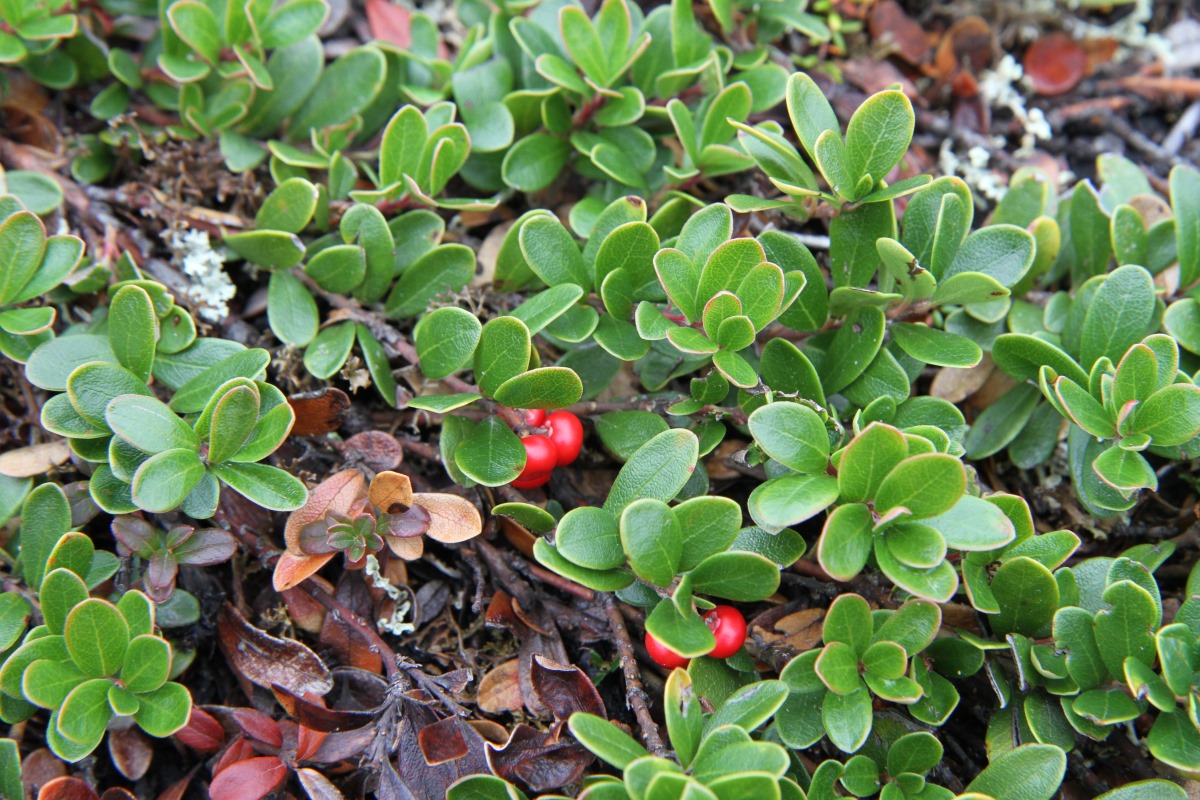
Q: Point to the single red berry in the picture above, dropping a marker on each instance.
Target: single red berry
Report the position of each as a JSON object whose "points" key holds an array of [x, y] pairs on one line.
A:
{"points": [[540, 455], [535, 417], [663, 655], [729, 629], [566, 431]]}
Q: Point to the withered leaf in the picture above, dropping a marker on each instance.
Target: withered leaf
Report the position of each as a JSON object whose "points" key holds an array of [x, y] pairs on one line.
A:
{"points": [[130, 751], [319, 413], [317, 786], [376, 450], [203, 732], [538, 759], [391, 492], [67, 788], [266, 660], [564, 689], [338, 493], [452, 518], [408, 524], [443, 741], [500, 689], [36, 459]]}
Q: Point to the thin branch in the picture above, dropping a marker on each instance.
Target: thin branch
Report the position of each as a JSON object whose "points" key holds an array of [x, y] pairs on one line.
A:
{"points": [[635, 694]]}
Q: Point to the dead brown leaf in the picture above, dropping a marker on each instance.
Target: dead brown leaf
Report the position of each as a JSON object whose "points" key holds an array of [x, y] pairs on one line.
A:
{"points": [[267, 660], [36, 459], [500, 690], [452, 519], [391, 492]]}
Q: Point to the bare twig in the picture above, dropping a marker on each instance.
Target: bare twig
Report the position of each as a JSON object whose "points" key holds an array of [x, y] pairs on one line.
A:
{"points": [[635, 694]]}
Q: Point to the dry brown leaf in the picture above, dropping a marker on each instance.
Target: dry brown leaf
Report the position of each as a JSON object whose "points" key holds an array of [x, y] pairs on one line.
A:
{"points": [[36, 459], [954, 385], [408, 549], [489, 251], [452, 519], [292, 569], [267, 660], [800, 630], [998, 384], [391, 492]]}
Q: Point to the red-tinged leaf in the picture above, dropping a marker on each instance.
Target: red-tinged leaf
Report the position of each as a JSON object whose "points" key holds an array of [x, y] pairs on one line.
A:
{"points": [[317, 717], [118, 793], [443, 741], [67, 788], [565, 689], [339, 493], [251, 779], [374, 449], [317, 786], [266, 660], [239, 749], [390, 22], [177, 790], [258, 725], [130, 751], [348, 645], [291, 570], [344, 745], [202, 732], [40, 767], [304, 609], [1055, 64], [308, 742], [891, 26], [319, 413]]}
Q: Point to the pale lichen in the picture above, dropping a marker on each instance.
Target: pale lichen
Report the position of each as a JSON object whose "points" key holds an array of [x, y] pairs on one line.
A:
{"points": [[209, 287]]}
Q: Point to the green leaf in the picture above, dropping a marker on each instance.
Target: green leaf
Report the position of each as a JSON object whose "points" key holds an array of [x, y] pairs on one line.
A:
{"points": [[683, 632], [623, 432], [609, 743], [1083, 409], [708, 525], [267, 486], [1002, 252], [195, 24], [233, 418], [868, 459], [133, 330], [552, 253], [1119, 315], [1124, 630], [291, 310], [1185, 200], [328, 104], [854, 258], [267, 248], [783, 548], [329, 350], [47, 683], [1028, 772], [599, 580], [1106, 706], [502, 353], [534, 162], [165, 479], [853, 348], [926, 485], [973, 524], [792, 434], [85, 713], [403, 141], [543, 308], [652, 539], [735, 369], [97, 636], [845, 543], [848, 622], [194, 395], [544, 387], [491, 454], [590, 537], [147, 424], [1125, 470], [1089, 231], [61, 591], [1028, 597], [936, 347], [789, 500], [937, 584], [289, 207], [147, 664], [446, 268], [1170, 416], [810, 113], [750, 706], [445, 340], [658, 469], [744, 577], [164, 711], [847, 719], [1146, 790], [93, 386], [1001, 422], [878, 135], [338, 269]]}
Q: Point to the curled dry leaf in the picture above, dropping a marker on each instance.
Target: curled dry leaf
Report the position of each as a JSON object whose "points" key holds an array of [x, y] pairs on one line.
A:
{"points": [[955, 384], [539, 759], [319, 413], [500, 689], [1055, 64], [34, 460], [266, 660], [42, 766], [967, 44], [452, 519], [391, 492], [797, 631], [317, 786], [565, 689]]}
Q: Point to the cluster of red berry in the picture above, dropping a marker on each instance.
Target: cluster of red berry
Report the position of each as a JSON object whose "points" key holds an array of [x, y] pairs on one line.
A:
{"points": [[728, 627], [559, 447]]}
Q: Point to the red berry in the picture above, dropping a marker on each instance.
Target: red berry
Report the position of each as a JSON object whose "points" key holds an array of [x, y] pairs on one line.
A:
{"points": [[729, 629], [663, 655], [566, 431], [535, 417], [540, 455]]}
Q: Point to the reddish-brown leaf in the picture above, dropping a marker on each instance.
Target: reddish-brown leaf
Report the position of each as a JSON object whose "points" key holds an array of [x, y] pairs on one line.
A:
{"points": [[306, 612], [537, 759], [319, 413], [67, 788], [360, 696], [391, 492], [339, 493], [892, 27], [350, 646], [258, 725], [177, 790], [251, 779], [291, 570], [239, 749], [500, 689], [389, 22], [452, 518], [1055, 64], [39, 768], [443, 741], [118, 793], [202, 732], [374, 449], [565, 689], [967, 44], [266, 660], [308, 741], [131, 752]]}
